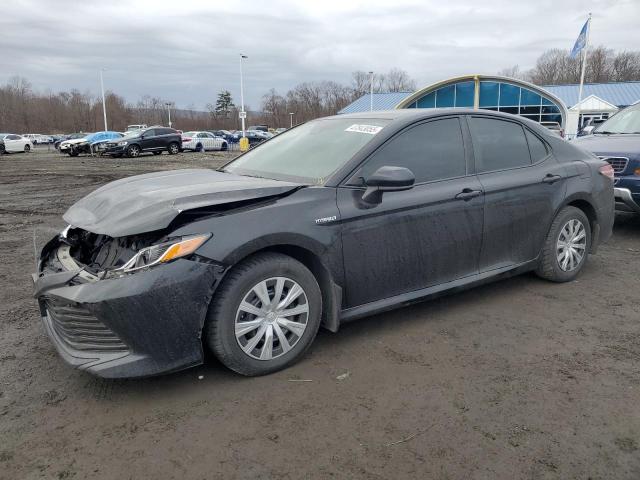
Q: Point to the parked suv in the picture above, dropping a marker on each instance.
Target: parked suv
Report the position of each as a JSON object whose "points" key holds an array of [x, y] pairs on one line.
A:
{"points": [[155, 140], [618, 142]]}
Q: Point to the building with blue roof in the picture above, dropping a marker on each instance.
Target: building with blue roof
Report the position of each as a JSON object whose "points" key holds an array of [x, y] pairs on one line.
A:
{"points": [[550, 103]]}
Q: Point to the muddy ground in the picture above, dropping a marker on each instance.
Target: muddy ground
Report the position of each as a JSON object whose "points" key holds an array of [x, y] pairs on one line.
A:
{"points": [[521, 379]]}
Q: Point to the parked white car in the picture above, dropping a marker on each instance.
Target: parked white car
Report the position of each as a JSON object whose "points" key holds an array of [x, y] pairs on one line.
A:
{"points": [[16, 143], [38, 138], [201, 141]]}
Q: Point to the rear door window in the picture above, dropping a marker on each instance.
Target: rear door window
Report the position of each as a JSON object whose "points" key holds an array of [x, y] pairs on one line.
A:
{"points": [[432, 151], [498, 144]]}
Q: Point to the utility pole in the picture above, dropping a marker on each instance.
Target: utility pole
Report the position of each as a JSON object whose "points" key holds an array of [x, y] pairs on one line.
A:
{"points": [[371, 94], [243, 114], [168, 104], [104, 107], [291, 114]]}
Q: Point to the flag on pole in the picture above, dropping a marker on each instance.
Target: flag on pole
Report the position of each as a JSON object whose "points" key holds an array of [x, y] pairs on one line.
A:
{"points": [[581, 41]]}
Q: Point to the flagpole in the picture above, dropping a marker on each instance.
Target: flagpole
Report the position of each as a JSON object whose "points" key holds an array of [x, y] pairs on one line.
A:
{"points": [[584, 65]]}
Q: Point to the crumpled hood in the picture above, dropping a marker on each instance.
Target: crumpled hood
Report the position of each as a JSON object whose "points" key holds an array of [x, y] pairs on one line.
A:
{"points": [[74, 141], [624, 145], [149, 202]]}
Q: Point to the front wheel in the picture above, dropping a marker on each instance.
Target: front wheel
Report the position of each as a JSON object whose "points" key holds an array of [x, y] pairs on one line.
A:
{"points": [[173, 148], [133, 151], [265, 315], [27, 148], [566, 247]]}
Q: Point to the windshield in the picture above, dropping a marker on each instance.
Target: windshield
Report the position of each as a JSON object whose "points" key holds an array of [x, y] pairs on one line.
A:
{"points": [[310, 152], [132, 133], [627, 121]]}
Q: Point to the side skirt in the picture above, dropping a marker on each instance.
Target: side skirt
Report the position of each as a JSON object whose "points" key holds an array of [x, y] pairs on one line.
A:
{"points": [[429, 293]]}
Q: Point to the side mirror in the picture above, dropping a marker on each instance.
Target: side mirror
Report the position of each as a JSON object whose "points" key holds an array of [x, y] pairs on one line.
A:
{"points": [[387, 179]]}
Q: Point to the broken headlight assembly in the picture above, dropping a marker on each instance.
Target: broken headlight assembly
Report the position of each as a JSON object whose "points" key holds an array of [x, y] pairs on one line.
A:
{"points": [[164, 252]]}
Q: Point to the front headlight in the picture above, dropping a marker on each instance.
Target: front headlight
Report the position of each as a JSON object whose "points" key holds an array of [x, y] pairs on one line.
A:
{"points": [[164, 252], [122, 144]]}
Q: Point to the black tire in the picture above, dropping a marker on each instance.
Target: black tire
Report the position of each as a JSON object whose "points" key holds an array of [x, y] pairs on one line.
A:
{"points": [[549, 267], [157, 153], [73, 153], [27, 148], [199, 148], [219, 334], [224, 147], [173, 148], [133, 151], [2, 150]]}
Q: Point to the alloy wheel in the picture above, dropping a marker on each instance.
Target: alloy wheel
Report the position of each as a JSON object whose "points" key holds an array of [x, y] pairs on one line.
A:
{"points": [[173, 149], [271, 318], [571, 245], [134, 151]]}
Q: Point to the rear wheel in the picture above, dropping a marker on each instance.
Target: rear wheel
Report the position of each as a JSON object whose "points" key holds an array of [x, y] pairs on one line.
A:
{"points": [[224, 147], [199, 148], [265, 315], [566, 247], [133, 151], [173, 148]]}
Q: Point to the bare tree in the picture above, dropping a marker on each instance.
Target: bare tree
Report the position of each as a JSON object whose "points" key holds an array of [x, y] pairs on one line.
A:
{"points": [[397, 80]]}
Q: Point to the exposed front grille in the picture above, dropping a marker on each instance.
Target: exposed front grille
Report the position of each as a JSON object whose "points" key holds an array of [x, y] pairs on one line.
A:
{"points": [[80, 329], [618, 163]]}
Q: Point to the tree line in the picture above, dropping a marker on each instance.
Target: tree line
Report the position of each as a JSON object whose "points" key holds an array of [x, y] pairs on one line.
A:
{"points": [[24, 110], [556, 67]]}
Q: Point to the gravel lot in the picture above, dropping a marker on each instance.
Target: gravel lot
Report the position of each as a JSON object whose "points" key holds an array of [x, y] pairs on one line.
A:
{"points": [[520, 379]]}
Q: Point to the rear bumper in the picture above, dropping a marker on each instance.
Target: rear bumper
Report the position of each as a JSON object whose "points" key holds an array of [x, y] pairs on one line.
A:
{"points": [[625, 201], [137, 325]]}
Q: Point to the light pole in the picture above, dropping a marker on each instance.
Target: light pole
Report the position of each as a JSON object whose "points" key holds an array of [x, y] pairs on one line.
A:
{"points": [[104, 108], [243, 114], [291, 114], [168, 104], [371, 94]]}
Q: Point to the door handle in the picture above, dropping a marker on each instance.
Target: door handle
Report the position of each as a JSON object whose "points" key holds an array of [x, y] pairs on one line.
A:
{"points": [[468, 194], [551, 178]]}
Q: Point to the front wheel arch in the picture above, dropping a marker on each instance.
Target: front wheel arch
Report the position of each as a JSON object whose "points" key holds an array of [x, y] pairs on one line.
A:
{"points": [[330, 287]]}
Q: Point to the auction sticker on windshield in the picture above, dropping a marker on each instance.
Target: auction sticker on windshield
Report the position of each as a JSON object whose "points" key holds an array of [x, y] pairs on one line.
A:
{"points": [[370, 129]]}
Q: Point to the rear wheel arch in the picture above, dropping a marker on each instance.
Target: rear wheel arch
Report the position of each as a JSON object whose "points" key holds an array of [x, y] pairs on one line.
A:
{"points": [[582, 203]]}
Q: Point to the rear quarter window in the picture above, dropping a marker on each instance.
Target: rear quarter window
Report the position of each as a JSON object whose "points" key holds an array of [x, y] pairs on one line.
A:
{"points": [[537, 147]]}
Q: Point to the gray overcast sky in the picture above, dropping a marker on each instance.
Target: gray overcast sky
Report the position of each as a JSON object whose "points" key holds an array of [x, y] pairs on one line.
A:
{"points": [[187, 51]]}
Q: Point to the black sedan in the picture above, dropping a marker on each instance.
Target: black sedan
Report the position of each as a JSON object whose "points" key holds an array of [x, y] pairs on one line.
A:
{"points": [[333, 220]]}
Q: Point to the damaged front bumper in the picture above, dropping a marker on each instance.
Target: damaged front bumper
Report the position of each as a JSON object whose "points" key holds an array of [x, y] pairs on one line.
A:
{"points": [[141, 324]]}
